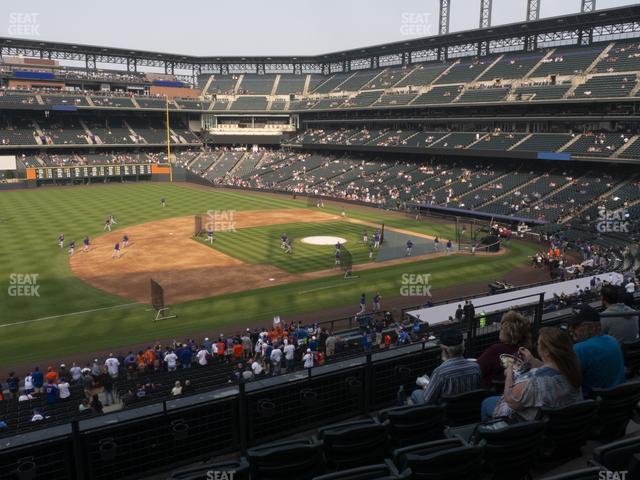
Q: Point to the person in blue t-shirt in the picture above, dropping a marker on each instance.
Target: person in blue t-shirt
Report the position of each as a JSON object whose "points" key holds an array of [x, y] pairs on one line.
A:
{"points": [[600, 355], [51, 392]]}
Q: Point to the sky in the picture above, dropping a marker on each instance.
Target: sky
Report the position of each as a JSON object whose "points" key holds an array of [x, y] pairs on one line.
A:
{"points": [[252, 27]]}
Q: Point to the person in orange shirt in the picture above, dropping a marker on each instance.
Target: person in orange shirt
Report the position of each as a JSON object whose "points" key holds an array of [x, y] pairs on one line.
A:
{"points": [[51, 376], [140, 359], [220, 345], [238, 351], [149, 357]]}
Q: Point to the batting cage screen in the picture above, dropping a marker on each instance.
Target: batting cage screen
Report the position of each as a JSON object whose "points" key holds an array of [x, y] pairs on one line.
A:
{"points": [[157, 295], [197, 229]]}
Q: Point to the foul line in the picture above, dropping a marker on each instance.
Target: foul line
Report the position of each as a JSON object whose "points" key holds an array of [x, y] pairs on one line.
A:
{"points": [[68, 315], [321, 288]]}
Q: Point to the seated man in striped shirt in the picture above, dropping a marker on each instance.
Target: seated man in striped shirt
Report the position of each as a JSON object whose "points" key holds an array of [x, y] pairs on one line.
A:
{"points": [[455, 375]]}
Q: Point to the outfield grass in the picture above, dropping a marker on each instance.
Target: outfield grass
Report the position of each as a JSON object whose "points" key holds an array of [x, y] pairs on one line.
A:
{"points": [[30, 222], [261, 245]]}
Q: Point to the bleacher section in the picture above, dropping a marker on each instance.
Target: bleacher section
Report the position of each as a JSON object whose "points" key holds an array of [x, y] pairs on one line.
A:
{"points": [[444, 94], [64, 130], [223, 165], [147, 102], [253, 84], [395, 99], [13, 98], [544, 142], [568, 61], [223, 84], [606, 86], [512, 65], [480, 95], [576, 195], [387, 78], [363, 99], [204, 161], [250, 103], [359, 79], [600, 145], [456, 140], [119, 102], [291, 84], [153, 131], [624, 56], [65, 100], [423, 75], [541, 92], [192, 104], [465, 71], [220, 104], [331, 83], [248, 163], [498, 141], [109, 131], [592, 145], [16, 131]]}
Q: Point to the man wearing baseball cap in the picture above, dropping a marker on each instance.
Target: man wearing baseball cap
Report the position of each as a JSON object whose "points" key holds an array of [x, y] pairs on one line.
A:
{"points": [[455, 375], [599, 355]]}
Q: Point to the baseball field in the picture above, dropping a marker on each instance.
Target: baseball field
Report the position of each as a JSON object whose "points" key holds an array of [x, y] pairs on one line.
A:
{"points": [[54, 305]]}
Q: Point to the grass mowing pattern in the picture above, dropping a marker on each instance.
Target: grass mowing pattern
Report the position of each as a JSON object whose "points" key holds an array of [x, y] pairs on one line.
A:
{"points": [[261, 245], [30, 222]]}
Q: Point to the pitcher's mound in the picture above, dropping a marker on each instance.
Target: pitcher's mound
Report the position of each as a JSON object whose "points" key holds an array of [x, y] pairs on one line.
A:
{"points": [[320, 240]]}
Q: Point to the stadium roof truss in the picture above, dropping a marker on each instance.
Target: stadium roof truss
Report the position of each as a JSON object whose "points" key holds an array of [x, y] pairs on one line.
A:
{"points": [[578, 29]]}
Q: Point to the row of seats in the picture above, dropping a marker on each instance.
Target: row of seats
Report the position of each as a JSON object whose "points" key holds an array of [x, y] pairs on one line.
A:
{"points": [[446, 442]]}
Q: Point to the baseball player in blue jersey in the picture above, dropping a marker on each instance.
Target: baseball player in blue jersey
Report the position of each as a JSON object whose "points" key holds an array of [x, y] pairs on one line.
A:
{"points": [[409, 248], [449, 245], [61, 240], [125, 241], [210, 234], [376, 302], [85, 244], [376, 239], [363, 303], [72, 247], [338, 246], [116, 251], [337, 257]]}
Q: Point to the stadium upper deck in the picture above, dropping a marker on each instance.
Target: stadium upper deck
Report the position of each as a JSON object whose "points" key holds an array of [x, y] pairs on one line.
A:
{"points": [[602, 71]]}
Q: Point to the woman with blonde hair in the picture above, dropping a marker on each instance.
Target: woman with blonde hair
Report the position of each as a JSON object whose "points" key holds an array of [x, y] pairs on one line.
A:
{"points": [[515, 332], [553, 381]]}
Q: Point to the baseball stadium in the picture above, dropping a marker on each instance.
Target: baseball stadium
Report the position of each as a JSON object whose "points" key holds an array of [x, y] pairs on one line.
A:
{"points": [[413, 258]]}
